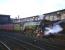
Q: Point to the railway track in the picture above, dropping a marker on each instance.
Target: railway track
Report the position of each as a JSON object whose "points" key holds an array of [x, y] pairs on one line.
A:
{"points": [[3, 46], [14, 44], [46, 44], [24, 45], [40, 45]]}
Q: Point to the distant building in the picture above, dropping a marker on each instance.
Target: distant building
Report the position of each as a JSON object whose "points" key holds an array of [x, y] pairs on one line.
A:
{"points": [[28, 19], [56, 15], [5, 19]]}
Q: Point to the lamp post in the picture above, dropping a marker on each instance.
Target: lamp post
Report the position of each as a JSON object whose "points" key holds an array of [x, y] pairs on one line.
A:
{"points": [[19, 21]]}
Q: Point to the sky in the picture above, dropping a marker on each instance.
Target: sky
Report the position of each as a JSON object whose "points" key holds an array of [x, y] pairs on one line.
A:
{"points": [[27, 8]]}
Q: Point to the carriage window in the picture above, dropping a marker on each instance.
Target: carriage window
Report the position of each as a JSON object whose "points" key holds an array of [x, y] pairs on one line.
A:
{"points": [[51, 18], [63, 16], [55, 17], [47, 17]]}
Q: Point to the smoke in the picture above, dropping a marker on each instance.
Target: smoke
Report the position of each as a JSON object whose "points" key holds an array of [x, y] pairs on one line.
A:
{"points": [[53, 30]]}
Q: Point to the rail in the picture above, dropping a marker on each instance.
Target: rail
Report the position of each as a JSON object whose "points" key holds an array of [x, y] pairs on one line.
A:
{"points": [[5, 45]]}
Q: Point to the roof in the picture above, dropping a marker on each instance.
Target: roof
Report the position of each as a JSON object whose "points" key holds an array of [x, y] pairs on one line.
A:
{"points": [[4, 15], [54, 12]]}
